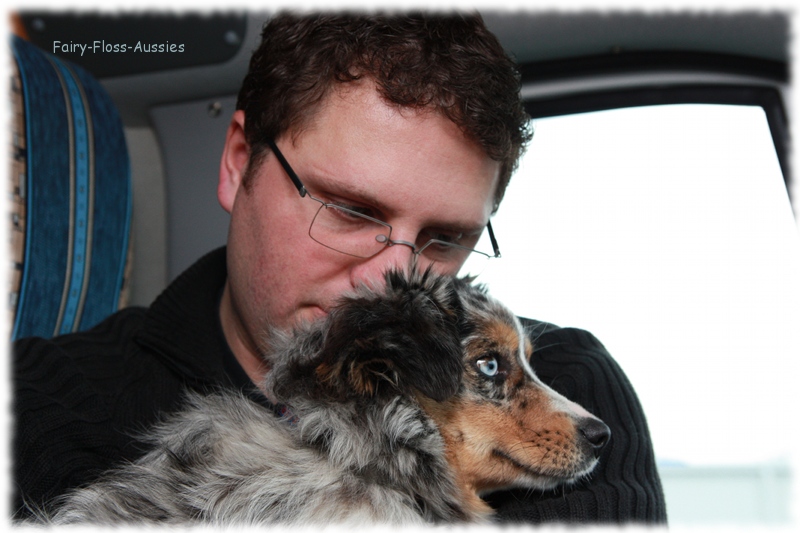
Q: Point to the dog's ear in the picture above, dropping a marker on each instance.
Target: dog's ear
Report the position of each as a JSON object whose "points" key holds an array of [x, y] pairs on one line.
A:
{"points": [[404, 339]]}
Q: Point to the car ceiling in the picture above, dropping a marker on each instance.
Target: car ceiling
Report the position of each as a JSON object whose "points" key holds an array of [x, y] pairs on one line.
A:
{"points": [[544, 41], [536, 37]]}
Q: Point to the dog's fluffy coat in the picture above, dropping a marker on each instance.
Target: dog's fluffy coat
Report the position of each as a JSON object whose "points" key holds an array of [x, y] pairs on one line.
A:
{"points": [[405, 405]]}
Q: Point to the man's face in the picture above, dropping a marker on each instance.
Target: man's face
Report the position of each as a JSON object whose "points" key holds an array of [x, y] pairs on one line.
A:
{"points": [[414, 170]]}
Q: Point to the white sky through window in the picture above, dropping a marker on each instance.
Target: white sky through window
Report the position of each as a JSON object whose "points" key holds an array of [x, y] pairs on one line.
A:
{"points": [[667, 232]]}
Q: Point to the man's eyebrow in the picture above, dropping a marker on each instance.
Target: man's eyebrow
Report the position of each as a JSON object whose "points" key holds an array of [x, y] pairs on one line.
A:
{"points": [[330, 185]]}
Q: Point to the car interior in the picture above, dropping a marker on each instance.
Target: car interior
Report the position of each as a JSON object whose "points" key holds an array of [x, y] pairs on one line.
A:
{"points": [[142, 205]]}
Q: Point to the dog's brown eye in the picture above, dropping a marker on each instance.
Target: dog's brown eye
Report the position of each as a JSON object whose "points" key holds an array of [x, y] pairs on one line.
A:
{"points": [[488, 366]]}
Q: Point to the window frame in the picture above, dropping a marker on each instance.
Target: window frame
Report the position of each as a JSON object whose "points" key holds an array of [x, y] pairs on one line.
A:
{"points": [[624, 80]]}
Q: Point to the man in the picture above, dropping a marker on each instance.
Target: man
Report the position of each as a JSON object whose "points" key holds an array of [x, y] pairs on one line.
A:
{"points": [[358, 144]]}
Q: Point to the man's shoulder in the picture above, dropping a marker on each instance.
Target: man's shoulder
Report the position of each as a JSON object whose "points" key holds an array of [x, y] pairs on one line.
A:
{"points": [[103, 374], [82, 399], [124, 322], [575, 363], [104, 344], [160, 348], [565, 343]]}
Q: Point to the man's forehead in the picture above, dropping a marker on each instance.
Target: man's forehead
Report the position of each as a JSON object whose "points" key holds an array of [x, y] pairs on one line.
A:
{"points": [[355, 137], [363, 93]]}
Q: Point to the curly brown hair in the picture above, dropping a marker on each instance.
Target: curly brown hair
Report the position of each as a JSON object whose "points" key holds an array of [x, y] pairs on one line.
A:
{"points": [[450, 63]]}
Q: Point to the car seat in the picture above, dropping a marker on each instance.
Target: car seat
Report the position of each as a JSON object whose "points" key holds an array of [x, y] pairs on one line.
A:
{"points": [[70, 197]]}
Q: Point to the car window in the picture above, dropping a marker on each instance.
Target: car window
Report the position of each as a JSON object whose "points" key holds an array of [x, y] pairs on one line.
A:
{"points": [[667, 232]]}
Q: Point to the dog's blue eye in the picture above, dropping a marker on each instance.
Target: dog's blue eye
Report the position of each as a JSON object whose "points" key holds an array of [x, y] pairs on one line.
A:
{"points": [[488, 365]]}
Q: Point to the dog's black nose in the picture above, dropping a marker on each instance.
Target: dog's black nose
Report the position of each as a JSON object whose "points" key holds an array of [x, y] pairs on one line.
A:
{"points": [[596, 432]]}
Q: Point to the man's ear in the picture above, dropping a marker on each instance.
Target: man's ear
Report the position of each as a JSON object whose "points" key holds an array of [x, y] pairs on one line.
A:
{"points": [[235, 157]]}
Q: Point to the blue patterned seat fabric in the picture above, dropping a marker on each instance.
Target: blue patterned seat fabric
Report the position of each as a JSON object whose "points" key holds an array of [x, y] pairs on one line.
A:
{"points": [[73, 198]]}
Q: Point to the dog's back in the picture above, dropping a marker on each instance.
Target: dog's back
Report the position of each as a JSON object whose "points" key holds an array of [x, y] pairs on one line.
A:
{"points": [[227, 460]]}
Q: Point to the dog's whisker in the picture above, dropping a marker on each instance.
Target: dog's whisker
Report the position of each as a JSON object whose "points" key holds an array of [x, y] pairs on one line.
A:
{"points": [[546, 346]]}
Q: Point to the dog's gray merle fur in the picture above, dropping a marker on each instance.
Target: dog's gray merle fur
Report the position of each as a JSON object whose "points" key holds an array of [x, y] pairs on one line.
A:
{"points": [[364, 441]]}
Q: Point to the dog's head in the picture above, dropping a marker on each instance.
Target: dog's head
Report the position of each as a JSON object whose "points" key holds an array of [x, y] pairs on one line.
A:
{"points": [[404, 338], [505, 428]]}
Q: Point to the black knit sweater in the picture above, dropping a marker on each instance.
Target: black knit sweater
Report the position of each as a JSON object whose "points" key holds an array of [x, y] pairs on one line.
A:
{"points": [[80, 400]]}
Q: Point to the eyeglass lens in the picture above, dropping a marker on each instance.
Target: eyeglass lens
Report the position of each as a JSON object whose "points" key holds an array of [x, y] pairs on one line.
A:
{"points": [[355, 234]]}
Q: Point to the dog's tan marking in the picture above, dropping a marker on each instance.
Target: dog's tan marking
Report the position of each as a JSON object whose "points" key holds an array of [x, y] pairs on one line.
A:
{"points": [[492, 446], [521, 434], [501, 333], [328, 374], [363, 376]]}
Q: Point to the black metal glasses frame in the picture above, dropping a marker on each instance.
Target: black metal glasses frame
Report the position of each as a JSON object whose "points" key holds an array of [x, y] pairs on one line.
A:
{"points": [[303, 192]]}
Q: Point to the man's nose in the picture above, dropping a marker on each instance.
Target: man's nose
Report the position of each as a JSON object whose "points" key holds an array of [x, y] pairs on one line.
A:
{"points": [[398, 255]]}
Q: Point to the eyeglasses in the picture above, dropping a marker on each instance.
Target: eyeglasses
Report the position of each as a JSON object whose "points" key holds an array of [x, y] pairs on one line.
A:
{"points": [[345, 230]]}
